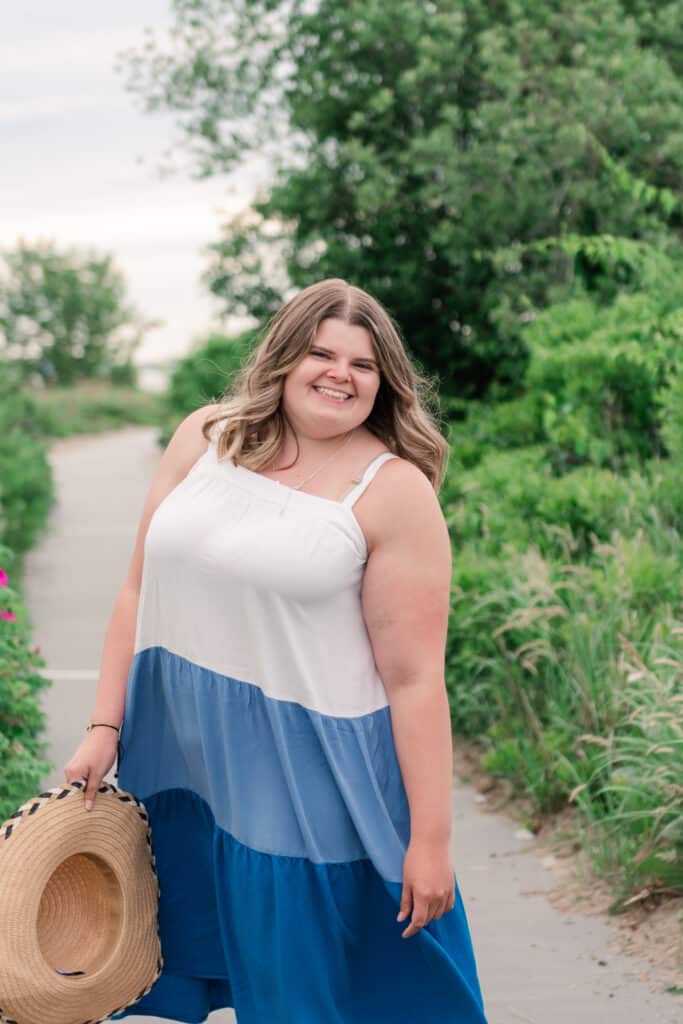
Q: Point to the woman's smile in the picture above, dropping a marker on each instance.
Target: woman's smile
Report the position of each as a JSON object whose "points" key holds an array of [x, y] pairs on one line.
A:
{"points": [[332, 394]]}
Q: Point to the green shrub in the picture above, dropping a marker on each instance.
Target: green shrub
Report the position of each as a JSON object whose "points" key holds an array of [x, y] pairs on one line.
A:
{"points": [[660, 499], [22, 766], [643, 579], [514, 498], [670, 402], [495, 503], [90, 407], [26, 486], [600, 382], [124, 375], [586, 504], [486, 427], [203, 376], [480, 584], [564, 656]]}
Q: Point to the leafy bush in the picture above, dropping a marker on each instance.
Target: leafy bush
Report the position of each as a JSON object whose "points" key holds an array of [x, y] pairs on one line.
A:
{"points": [[670, 403], [486, 427], [203, 376], [26, 487], [93, 406], [514, 498], [22, 766], [599, 379]]}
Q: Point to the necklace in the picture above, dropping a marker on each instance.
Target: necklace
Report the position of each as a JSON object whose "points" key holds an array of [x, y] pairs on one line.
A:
{"points": [[296, 487]]}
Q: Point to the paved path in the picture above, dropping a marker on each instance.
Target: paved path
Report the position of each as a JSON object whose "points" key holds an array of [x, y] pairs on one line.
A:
{"points": [[536, 964]]}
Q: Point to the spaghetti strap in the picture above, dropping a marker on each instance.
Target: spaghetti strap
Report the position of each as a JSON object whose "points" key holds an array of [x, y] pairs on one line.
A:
{"points": [[370, 470]]}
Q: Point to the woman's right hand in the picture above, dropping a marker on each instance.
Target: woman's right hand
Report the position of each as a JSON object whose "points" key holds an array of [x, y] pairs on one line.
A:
{"points": [[92, 760]]}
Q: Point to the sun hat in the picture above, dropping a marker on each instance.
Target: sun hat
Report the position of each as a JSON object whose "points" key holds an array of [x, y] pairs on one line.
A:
{"points": [[79, 892]]}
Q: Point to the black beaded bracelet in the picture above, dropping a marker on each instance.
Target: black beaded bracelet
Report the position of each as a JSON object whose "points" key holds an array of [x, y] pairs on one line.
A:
{"points": [[91, 725]]}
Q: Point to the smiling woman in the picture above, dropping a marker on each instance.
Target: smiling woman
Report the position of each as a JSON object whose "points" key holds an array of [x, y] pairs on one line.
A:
{"points": [[339, 370], [285, 719]]}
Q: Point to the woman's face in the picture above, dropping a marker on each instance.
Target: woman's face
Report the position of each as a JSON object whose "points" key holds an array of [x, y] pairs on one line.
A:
{"points": [[340, 359]]}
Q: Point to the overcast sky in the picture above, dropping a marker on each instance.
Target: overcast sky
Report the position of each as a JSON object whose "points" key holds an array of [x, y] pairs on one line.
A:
{"points": [[79, 160]]}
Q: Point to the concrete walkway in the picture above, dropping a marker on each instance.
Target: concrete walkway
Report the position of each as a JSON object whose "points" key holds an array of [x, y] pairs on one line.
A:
{"points": [[536, 964]]}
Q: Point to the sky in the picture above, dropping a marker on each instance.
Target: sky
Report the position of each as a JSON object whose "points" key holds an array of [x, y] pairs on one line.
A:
{"points": [[79, 162]]}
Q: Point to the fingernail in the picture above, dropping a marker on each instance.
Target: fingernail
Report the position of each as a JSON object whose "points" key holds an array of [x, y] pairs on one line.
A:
{"points": [[88, 805], [401, 915]]}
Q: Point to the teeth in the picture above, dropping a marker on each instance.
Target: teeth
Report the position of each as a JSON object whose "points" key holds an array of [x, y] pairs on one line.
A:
{"points": [[334, 394]]}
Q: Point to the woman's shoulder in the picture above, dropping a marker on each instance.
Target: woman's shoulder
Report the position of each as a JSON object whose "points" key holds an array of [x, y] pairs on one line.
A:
{"points": [[396, 473], [402, 472], [399, 500], [405, 486]]}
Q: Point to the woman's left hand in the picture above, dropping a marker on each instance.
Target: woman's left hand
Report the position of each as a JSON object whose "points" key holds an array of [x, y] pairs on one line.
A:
{"points": [[428, 884]]}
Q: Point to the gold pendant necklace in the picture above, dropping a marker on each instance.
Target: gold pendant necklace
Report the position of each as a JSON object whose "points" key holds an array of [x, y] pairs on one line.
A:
{"points": [[298, 487]]}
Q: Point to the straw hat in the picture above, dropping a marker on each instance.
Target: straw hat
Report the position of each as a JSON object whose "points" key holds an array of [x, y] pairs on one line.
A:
{"points": [[79, 895]]}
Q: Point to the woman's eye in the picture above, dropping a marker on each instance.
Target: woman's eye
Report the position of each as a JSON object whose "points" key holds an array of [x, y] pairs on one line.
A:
{"points": [[317, 352]]}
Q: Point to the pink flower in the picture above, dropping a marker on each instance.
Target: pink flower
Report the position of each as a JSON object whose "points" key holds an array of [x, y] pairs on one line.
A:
{"points": [[8, 616], [4, 578]]}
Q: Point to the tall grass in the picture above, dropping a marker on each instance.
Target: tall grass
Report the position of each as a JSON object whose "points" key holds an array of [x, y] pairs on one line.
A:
{"points": [[571, 675]]}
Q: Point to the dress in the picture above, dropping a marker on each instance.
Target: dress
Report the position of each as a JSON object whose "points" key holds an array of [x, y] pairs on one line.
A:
{"points": [[257, 732]]}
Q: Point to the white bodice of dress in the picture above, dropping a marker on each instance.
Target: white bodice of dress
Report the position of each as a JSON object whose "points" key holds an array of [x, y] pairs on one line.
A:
{"points": [[260, 582]]}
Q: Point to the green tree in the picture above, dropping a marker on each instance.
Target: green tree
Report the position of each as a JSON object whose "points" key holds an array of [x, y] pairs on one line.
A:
{"points": [[410, 142], [204, 374], [64, 314]]}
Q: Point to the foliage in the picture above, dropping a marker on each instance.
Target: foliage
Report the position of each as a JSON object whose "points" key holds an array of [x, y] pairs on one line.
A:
{"points": [[204, 375], [540, 663], [600, 383], [413, 144], [26, 486], [90, 407], [567, 530], [501, 425], [670, 402], [22, 766], [513, 498], [637, 772], [64, 314]]}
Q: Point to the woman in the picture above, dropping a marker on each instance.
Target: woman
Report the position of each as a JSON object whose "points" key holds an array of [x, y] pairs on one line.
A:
{"points": [[285, 717]]}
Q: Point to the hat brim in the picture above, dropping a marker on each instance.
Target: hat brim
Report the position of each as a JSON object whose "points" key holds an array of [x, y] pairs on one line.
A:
{"points": [[79, 895]]}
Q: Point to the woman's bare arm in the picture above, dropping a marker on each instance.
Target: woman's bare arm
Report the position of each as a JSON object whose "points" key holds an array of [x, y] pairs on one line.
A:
{"points": [[97, 751], [406, 599]]}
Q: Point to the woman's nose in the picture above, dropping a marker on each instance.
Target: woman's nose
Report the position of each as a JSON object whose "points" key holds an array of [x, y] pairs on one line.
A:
{"points": [[338, 371]]}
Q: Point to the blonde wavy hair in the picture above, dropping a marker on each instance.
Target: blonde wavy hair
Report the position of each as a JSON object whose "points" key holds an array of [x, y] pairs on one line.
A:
{"points": [[400, 417]]}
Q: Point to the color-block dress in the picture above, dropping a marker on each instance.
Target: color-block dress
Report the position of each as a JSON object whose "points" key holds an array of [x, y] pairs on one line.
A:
{"points": [[258, 734]]}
